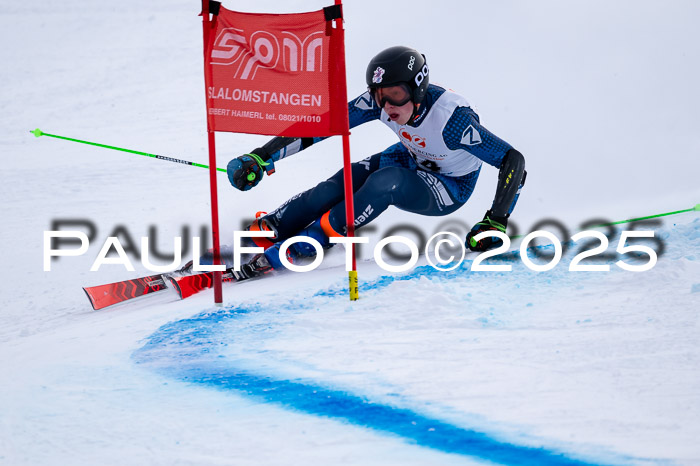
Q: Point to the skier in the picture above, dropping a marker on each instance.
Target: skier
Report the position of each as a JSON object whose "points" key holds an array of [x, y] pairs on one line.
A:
{"points": [[431, 171]]}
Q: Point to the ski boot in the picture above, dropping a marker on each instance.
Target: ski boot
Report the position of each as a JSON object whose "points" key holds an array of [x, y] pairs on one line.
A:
{"points": [[263, 263], [261, 223], [226, 251], [299, 250], [256, 267]]}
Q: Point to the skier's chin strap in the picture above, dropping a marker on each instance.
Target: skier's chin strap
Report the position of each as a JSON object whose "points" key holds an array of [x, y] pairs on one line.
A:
{"points": [[511, 178], [415, 115]]}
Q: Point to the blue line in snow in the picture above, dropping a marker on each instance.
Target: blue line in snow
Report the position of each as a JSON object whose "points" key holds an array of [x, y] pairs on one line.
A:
{"points": [[188, 350], [405, 423]]}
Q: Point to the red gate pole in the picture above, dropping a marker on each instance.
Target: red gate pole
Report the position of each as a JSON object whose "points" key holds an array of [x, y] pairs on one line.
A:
{"points": [[218, 298], [347, 169]]}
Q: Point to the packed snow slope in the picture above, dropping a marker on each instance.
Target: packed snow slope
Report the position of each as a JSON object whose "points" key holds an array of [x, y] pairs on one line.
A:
{"points": [[570, 351], [428, 367]]}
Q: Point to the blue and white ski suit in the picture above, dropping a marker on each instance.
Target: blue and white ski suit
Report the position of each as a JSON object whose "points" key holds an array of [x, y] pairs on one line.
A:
{"points": [[432, 170]]}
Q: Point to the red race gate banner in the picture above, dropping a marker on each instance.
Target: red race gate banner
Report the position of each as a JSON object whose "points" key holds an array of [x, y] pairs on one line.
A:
{"points": [[276, 74]]}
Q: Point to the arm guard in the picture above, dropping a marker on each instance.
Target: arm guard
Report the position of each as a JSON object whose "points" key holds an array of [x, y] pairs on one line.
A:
{"points": [[511, 178]]}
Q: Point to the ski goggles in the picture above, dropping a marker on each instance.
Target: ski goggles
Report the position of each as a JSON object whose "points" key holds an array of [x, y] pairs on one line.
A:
{"points": [[395, 95]]}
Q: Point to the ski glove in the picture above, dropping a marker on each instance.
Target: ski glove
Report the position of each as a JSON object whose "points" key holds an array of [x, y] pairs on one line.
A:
{"points": [[489, 223], [246, 171]]}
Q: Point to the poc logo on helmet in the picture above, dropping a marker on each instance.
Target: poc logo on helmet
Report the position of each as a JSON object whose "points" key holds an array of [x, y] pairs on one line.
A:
{"points": [[422, 74], [411, 62]]}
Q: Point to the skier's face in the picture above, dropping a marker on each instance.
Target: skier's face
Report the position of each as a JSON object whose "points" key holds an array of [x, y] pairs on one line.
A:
{"points": [[395, 95], [399, 114], [396, 102]]}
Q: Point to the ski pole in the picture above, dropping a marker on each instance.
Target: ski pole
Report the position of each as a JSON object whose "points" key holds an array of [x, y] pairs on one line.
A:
{"points": [[37, 132], [696, 208]]}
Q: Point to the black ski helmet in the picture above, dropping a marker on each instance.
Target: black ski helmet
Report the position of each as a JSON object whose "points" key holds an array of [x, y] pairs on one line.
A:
{"points": [[397, 65]]}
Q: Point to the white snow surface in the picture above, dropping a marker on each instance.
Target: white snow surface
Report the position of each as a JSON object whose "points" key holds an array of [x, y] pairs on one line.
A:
{"points": [[601, 367]]}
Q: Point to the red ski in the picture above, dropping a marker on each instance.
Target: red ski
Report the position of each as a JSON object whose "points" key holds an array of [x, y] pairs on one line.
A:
{"points": [[102, 296], [185, 283], [188, 285]]}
